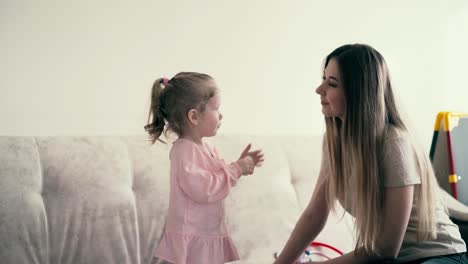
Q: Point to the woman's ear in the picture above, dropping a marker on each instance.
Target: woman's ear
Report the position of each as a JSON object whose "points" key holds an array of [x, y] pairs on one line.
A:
{"points": [[193, 116]]}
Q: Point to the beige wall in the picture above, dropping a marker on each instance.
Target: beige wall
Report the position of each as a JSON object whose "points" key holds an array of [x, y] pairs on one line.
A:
{"points": [[86, 67], [456, 91]]}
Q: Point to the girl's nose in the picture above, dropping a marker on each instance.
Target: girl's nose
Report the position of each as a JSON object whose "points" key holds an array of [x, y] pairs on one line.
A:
{"points": [[220, 116]]}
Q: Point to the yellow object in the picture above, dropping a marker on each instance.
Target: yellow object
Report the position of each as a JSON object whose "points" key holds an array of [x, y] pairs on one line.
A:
{"points": [[453, 178], [450, 119]]}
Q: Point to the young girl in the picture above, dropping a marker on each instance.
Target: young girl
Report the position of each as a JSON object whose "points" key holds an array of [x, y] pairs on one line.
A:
{"points": [[371, 166], [188, 105]]}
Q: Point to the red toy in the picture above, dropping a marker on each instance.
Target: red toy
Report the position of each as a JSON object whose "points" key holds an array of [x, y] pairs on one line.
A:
{"points": [[318, 251]]}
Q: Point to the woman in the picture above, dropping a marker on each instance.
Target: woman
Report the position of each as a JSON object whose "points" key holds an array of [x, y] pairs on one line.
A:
{"points": [[370, 166]]}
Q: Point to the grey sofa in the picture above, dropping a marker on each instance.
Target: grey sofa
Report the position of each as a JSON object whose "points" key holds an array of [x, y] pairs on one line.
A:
{"points": [[88, 200]]}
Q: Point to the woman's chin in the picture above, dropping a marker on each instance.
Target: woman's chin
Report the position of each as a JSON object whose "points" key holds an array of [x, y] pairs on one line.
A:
{"points": [[326, 113]]}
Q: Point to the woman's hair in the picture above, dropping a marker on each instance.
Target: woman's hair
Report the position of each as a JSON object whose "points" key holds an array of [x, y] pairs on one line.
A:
{"points": [[171, 100], [356, 143]]}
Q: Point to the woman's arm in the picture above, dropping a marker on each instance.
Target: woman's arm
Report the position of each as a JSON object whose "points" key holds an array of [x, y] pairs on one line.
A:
{"points": [[397, 209], [309, 225]]}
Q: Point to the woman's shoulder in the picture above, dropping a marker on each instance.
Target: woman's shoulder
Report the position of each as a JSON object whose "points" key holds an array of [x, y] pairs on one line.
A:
{"points": [[397, 135], [398, 140]]}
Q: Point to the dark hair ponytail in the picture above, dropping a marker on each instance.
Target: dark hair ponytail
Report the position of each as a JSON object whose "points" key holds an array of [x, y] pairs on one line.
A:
{"points": [[156, 122], [172, 99]]}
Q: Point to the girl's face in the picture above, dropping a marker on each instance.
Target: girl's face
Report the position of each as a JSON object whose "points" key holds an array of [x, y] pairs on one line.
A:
{"points": [[211, 118], [331, 91]]}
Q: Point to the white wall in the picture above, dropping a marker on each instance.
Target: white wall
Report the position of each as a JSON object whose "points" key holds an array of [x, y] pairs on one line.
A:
{"points": [[86, 67], [456, 92]]}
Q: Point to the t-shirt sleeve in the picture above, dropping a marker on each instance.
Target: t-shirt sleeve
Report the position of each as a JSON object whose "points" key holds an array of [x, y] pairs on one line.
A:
{"points": [[400, 162]]}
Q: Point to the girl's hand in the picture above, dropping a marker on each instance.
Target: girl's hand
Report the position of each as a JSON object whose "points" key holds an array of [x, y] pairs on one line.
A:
{"points": [[256, 155], [246, 164]]}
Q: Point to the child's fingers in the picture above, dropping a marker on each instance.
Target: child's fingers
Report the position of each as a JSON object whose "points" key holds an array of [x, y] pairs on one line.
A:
{"points": [[259, 158], [255, 152], [245, 152]]}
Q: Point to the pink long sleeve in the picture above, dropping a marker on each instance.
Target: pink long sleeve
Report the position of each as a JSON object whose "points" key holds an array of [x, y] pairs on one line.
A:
{"points": [[195, 231], [202, 175]]}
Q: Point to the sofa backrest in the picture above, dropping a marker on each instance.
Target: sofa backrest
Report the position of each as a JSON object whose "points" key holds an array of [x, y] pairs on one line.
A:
{"points": [[103, 199]]}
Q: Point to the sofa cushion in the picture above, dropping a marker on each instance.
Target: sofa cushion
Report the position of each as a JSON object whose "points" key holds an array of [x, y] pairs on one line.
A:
{"points": [[23, 222], [104, 199], [89, 200], [263, 208]]}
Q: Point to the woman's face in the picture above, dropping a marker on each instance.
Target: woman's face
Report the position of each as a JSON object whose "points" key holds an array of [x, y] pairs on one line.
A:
{"points": [[331, 91]]}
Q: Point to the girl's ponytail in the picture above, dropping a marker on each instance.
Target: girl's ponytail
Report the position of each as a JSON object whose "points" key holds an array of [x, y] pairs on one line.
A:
{"points": [[156, 122], [172, 99]]}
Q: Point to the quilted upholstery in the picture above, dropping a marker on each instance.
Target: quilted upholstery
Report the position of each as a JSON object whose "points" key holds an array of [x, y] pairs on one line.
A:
{"points": [[90, 200]]}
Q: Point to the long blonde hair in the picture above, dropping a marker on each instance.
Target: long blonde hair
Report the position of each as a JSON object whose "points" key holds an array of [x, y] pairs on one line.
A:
{"points": [[356, 143]]}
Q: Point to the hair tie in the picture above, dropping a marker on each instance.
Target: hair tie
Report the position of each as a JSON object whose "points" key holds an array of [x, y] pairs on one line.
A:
{"points": [[165, 81]]}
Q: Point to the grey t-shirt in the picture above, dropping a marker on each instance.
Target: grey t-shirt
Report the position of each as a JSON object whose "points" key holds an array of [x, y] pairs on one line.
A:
{"points": [[399, 169]]}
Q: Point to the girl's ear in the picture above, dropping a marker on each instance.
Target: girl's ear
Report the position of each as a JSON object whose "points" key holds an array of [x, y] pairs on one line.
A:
{"points": [[193, 116]]}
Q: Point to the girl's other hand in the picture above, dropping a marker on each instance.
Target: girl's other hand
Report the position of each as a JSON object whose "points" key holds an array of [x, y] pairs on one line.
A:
{"points": [[246, 164], [256, 155]]}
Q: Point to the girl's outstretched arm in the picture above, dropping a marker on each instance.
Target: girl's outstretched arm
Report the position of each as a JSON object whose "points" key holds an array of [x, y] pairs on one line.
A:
{"points": [[201, 182], [206, 186]]}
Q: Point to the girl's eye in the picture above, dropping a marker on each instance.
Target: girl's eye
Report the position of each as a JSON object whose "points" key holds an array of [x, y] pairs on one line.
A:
{"points": [[333, 85]]}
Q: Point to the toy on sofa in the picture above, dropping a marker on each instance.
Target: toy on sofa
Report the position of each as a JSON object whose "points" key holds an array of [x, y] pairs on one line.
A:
{"points": [[318, 251]]}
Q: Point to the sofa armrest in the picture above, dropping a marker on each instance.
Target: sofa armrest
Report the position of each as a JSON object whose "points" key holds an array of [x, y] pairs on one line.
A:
{"points": [[463, 227], [458, 213], [456, 209]]}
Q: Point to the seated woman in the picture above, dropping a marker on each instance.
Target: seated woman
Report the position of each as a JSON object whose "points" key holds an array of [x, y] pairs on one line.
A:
{"points": [[371, 166]]}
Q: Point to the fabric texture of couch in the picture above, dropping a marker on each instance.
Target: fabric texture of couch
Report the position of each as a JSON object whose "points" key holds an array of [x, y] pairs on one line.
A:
{"points": [[103, 199]]}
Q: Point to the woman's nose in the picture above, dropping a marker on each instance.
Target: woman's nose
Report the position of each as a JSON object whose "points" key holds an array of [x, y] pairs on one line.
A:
{"points": [[220, 116], [319, 89]]}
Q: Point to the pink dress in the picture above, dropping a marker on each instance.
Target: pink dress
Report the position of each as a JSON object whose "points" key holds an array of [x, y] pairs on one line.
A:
{"points": [[195, 229]]}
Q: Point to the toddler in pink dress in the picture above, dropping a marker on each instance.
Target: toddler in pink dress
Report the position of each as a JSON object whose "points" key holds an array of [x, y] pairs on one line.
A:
{"points": [[200, 180]]}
